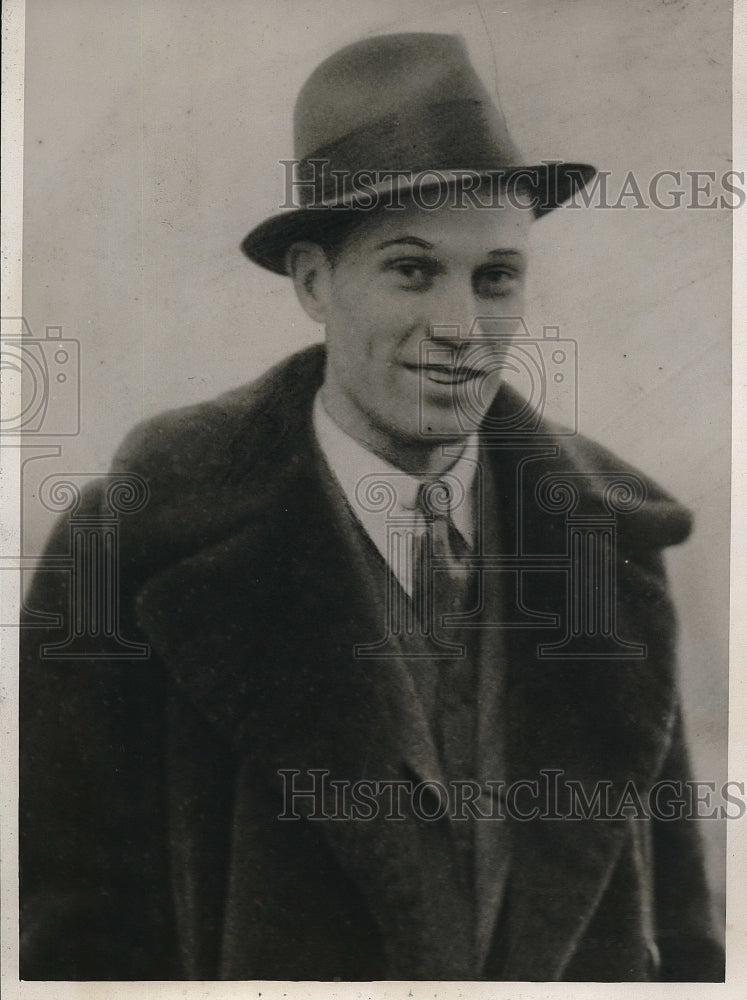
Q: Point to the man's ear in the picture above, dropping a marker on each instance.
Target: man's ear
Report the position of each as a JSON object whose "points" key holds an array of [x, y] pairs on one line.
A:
{"points": [[308, 266]]}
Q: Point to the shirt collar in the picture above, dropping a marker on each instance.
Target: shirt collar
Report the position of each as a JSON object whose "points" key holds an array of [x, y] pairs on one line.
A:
{"points": [[353, 465]]}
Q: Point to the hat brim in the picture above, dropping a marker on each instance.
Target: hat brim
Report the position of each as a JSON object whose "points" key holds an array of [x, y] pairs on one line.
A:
{"points": [[549, 185]]}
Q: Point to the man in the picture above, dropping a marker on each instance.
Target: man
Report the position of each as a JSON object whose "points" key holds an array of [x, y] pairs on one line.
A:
{"points": [[370, 580]]}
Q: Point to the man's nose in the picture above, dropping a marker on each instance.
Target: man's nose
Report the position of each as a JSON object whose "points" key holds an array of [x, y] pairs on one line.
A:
{"points": [[454, 312]]}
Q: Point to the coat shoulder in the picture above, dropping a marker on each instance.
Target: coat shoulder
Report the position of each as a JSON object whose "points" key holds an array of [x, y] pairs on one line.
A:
{"points": [[211, 467], [194, 441], [647, 515]]}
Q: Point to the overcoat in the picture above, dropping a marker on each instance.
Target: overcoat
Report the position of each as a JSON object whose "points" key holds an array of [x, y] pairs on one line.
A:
{"points": [[150, 787]]}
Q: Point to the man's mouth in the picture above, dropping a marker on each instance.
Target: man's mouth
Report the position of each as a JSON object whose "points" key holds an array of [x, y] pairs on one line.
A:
{"points": [[448, 374]]}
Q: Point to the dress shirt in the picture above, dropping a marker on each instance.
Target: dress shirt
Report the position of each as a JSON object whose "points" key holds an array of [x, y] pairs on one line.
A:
{"points": [[358, 470]]}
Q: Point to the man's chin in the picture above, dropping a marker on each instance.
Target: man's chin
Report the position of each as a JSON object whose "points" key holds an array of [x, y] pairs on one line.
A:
{"points": [[432, 429], [458, 419]]}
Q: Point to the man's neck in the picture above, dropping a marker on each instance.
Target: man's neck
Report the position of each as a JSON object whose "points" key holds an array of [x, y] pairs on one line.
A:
{"points": [[417, 457]]}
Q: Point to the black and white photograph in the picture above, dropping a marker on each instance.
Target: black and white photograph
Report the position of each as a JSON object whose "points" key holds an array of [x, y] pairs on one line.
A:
{"points": [[372, 426]]}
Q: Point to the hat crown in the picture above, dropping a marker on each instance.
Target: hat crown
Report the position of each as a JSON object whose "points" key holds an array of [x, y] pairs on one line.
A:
{"points": [[397, 78], [397, 111]]}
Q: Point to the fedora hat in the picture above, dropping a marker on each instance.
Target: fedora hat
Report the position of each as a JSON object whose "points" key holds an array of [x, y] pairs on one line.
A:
{"points": [[390, 112]]}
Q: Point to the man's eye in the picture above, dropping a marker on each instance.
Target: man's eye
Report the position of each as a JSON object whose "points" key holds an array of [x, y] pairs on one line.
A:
{"points": [[495, 283], [412, 273]]}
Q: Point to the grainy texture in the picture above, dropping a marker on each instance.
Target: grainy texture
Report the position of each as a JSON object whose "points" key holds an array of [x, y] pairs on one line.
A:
{"points": [[151, 846]]}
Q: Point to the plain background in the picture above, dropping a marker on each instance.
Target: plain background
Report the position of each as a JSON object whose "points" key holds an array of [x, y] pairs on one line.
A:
{"points": [[152, 139]]}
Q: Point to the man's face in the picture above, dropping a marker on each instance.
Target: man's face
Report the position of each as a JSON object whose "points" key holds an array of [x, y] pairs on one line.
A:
{"points": [[407, 309]]}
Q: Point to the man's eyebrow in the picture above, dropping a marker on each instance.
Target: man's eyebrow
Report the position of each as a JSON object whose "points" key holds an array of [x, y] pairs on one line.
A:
{"points": [[416, 241], [412, 240], [506, 253]]}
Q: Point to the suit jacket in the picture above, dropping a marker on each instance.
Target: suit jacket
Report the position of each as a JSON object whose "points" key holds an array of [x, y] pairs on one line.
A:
{"points": [[150, 787]]}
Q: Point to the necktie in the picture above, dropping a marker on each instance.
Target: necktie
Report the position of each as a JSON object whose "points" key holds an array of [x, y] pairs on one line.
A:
{"points": [[440, 581], [441, 590]]}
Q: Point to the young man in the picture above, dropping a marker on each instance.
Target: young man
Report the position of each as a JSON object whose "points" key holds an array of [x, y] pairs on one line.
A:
{"points": [[411, 660]]}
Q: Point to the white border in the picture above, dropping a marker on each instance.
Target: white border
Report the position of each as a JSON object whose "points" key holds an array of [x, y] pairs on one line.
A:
{"points": [[13, 17], [11, 238]]}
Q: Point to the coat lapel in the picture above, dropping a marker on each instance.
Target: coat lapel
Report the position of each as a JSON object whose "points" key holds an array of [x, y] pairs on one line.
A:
{"points": [[491, 842]]}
